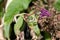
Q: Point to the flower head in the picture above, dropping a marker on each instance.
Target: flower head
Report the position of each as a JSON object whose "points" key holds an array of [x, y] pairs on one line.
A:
{"points": [[44, 12]]}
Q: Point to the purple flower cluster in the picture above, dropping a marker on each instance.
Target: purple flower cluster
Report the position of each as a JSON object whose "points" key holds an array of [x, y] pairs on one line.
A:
{"points": [[44, 12]]}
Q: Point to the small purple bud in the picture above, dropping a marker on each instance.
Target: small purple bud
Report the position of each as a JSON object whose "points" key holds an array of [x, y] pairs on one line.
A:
{"points": [[44, 12]]}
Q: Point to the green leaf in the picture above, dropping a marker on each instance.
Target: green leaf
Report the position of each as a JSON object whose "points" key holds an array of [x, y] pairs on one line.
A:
{"points": [[6, 31], [14, 7], [57, 5], [36, 30], [32, 23], [47, 36], [23, 26], [18, 25]]}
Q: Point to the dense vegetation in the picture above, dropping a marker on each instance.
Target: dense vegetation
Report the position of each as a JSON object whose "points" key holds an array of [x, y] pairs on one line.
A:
{"points": [[30, 19]]}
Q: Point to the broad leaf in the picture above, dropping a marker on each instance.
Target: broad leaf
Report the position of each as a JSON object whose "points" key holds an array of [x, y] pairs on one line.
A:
{"points": [[14, 7], [18, 25]]}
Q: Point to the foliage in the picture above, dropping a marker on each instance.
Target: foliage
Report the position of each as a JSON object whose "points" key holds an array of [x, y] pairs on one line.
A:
{"points": [[33, 18], [57, 5], [13, 8]]}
